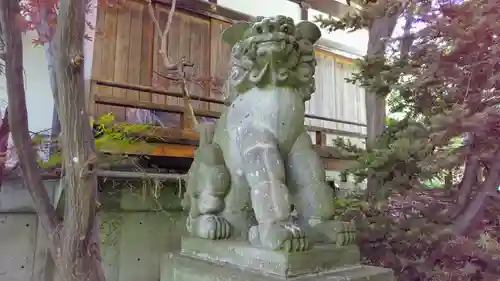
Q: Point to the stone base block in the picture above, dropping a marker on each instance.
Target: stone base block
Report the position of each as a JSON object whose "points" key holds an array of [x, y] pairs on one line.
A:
{"points": [[205, 260], [177, 267]]}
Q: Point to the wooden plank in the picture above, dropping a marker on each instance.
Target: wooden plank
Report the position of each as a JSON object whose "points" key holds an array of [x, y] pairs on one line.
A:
{"points": [[187, 151], [188, 38], [134, 60], [97, 56], [108, 53], [147, 41], [122, 56], [150, 105], [154, 90], [208, 9], [175, 150], [199, 55], [158, 63], [98, 41], [92, 106], [157, 149], [219, 62], [314, 105], [179, 47], [327, 106], [340, 95]]}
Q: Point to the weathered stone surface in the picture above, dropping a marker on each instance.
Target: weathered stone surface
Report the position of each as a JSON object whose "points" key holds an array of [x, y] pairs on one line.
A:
{"points": [[257, 160], [178, 267], [239, 253]]}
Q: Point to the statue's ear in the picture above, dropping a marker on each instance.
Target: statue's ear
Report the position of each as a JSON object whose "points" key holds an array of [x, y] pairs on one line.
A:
{"points": [[235, 33], [309, 31]]}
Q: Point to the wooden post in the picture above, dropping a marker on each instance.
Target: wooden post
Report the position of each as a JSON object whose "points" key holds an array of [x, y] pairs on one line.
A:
{"points": [[91, 105], [188, 118], [320, 138], [304, 10]]}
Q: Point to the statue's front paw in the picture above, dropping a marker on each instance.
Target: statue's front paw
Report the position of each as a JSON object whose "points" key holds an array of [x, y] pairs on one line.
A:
{"points": [[339, 232], [279, 236], [210, 227]]}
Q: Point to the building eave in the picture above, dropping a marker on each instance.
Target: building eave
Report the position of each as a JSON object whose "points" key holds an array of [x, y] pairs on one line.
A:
{"points": [[335, 8], [339, 48]]}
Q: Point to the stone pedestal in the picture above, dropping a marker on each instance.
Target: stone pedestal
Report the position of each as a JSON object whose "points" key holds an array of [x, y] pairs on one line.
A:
{"points": [[206, 260]]}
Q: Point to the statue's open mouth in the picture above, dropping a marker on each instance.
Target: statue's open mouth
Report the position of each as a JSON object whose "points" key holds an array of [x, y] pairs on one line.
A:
{"points": [[271, 48]]}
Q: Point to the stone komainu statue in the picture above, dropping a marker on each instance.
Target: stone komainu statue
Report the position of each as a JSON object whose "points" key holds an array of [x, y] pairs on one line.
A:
{"points": [[257, 159]]}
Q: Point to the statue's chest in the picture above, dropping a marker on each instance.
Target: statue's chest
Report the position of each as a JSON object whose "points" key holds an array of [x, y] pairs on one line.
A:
{"points": [[279, 110]]}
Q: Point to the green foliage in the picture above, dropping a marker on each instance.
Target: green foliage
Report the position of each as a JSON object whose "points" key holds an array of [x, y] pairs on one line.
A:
{"points": [[396, 158], [349, 205], [111, 135], [118, 135], [446, 93]]}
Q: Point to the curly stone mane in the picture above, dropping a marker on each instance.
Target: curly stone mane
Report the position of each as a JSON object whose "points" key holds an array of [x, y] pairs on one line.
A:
{"points": [[272, 52]]}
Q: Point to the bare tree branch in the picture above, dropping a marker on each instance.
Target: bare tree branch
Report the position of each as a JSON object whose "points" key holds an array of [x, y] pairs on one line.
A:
{"points": [[19, 122], [179, 67], [163, 35]]}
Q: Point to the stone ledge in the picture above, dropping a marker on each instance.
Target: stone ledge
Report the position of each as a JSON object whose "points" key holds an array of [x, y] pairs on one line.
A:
{"points": [[178, 267], [318, 259]]}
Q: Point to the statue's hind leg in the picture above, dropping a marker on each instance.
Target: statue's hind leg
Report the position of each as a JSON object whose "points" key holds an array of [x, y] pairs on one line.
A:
{"points": [[313, 197], [207, 185]]}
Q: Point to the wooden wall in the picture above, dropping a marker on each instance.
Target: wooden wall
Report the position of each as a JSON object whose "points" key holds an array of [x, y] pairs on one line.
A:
{"points": [[336, 98], [127, 51]]}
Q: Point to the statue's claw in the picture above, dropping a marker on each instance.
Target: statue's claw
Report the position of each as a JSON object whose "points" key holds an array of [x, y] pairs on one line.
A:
{"points": [[279, 236], [339, 232], [348, 234], [210, 227]]}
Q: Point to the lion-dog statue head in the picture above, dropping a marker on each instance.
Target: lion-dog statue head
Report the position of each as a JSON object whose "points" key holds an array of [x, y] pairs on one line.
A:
{"points": [[271, 51]]}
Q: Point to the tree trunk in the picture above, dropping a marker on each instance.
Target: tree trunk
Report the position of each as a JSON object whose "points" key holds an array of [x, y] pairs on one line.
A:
{"points": [[4, 144], [80, 258], [475, 208], [469, 179], [75, 247], [18, 119], [376, 104]]}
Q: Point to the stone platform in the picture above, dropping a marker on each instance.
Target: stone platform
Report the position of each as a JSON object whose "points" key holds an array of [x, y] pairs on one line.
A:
{"points": [[206, 260]]}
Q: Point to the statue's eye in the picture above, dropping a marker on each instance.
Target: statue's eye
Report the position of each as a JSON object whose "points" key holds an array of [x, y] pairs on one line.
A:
{"points": [[258, 29], [285, 29]]}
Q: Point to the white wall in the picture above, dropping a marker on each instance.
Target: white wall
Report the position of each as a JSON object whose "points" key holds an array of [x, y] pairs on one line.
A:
{"points": [[264, 8], [37, 84], [356, 40], [88, 45]]}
